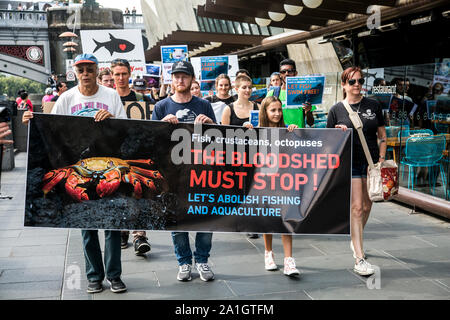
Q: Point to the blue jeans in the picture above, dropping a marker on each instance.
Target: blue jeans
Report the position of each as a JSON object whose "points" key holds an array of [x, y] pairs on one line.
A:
{"points": [[183, 249], [93, 255]]}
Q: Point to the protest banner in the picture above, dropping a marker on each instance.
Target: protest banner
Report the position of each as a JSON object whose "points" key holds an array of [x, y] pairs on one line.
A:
{"points": [[108, 45], [140, 110], [152, 175], [304, 89], [169, 55]]}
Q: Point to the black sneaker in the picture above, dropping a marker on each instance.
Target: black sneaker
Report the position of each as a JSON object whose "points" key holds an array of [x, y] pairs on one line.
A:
{"points": [[117, 285], [124, 239], [141, 246], [94, 286], [253, 235]]}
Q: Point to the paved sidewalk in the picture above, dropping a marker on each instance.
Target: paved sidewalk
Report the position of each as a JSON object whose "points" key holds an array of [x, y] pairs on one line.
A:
{"points": [[411, 250]]}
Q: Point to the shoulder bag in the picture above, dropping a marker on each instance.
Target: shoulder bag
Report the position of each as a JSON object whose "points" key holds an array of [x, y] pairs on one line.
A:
{"points": [[382, 178]]}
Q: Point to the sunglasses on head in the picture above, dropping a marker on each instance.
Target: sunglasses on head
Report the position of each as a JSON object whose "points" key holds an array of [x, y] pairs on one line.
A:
{"points": [[118, 60], [353, 81], [287, 71]]}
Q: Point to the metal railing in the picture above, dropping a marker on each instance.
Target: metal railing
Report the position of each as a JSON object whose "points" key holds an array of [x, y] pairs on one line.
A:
{"points": [[133, 19], [23, 19]]}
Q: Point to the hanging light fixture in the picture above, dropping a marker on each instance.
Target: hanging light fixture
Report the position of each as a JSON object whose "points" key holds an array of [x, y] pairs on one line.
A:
{"points": [[312, 3], [68, 34], [216, 44], [262, 22], [276, 16], [292, 10]]}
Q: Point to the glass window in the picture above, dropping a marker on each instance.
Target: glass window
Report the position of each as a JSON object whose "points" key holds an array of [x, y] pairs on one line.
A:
{"points": [[254, 29], [205, 24], [211, 25], [230, 26], [224, 26], [246, 28], [237, 27], [201, 27], [218, 26], [265, 31]]}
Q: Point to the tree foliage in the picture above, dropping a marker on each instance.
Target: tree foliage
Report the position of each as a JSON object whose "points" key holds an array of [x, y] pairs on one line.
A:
{"points": [[10, 85]]}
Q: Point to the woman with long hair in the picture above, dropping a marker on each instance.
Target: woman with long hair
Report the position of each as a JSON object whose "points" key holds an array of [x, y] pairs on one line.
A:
{"points": [[374, 130]]}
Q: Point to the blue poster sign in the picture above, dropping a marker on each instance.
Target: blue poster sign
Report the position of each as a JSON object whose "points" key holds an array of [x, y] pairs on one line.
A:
{"points": [[304, 89], [213, 67]]}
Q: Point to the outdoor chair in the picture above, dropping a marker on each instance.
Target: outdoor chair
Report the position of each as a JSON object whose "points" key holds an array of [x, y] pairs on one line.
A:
{"points": [[424, 152]]}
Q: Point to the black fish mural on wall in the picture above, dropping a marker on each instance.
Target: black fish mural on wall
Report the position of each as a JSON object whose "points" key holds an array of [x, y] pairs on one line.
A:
{"points": [[114, 45]]}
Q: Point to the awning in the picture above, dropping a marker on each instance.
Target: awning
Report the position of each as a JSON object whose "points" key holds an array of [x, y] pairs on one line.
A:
{"points": [[330, 17], [196, 39]]}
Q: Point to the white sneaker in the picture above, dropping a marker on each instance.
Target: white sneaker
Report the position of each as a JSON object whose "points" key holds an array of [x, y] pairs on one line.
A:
{"points": [[363, 268], [269, 262], [354, 253], [289, 267]]}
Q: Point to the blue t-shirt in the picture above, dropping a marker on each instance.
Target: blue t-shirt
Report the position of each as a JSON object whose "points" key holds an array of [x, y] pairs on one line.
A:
{"points": [[185, 112]]}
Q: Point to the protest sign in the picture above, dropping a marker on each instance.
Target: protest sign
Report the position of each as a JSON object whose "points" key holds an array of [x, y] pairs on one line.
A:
{"points": [[258, 95], [208, 68], [152, 175], [153, 70], [304, 89], [169, 55], [108, 45]]}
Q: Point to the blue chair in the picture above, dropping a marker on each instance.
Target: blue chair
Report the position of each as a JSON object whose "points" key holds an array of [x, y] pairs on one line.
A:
{"points": [[424, 152]]}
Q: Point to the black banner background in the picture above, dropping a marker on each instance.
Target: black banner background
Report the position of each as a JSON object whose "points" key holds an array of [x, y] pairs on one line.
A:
{"points": [[60, 141]]}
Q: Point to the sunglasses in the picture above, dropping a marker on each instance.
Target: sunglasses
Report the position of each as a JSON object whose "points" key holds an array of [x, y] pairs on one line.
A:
{"points": [[118, 60], [87, 69], [353, 81], [287, 71]]}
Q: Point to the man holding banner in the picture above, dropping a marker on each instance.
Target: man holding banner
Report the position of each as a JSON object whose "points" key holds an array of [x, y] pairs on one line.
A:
{"points": [[121, 72], [90, 99], [183, 107]]}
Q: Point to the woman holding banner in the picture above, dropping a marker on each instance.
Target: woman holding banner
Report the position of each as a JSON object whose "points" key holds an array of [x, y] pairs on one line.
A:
{"points": [[238, 112], [222, 98], [371, 115]]}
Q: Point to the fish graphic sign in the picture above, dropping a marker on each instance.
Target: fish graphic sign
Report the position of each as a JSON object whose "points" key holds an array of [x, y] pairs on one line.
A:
{"points": [[111, 44], [114, 45]]}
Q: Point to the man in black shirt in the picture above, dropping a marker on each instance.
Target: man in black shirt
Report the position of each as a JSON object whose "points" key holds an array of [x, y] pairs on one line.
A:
{"points": [[121, 71]]}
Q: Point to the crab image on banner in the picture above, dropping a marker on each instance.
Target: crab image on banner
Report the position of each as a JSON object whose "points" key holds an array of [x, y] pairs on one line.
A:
{"points": [[125, 174]]}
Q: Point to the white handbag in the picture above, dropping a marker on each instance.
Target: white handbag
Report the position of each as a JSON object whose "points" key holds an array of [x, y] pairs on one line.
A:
{"points": [[382, 178]]}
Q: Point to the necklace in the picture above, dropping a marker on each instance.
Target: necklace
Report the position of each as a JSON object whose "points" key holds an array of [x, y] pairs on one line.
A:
{"points": [[359, 106]]}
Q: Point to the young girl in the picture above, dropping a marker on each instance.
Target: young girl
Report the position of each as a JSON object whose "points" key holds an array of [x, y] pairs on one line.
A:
{"points": [[238, 112], [271, 116]]}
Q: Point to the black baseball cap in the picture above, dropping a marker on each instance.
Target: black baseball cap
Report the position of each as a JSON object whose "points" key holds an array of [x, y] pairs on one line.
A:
{"points": [[183, 66], [139, 84]]}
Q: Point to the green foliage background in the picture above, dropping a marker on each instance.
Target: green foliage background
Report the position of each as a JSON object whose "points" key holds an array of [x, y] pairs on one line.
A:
{"points": [[10, 85]]}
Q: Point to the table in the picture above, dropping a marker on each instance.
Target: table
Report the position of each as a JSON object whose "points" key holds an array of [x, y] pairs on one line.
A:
{"points": [[395, 143]]}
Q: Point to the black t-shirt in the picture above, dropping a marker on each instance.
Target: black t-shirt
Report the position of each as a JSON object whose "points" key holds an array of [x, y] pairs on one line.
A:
{"points": [[371, 116], [55, 98], [132, 97]]}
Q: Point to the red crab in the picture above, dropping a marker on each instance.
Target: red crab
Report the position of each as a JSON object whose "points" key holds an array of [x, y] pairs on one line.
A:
{"points": [[106, 174]]}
